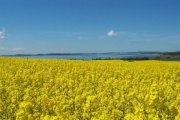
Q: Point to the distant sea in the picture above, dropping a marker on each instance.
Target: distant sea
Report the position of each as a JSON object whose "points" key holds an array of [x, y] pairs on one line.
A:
{"points": [[90, 56]]}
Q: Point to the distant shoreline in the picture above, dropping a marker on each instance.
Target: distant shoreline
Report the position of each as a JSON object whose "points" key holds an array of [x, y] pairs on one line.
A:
{"points": [[171, 56], [175, 56], [41, 54], [166, 56]]}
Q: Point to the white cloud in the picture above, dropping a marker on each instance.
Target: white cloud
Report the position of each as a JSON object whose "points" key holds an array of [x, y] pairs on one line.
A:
{"points": [[112, 33], [2, 34]]}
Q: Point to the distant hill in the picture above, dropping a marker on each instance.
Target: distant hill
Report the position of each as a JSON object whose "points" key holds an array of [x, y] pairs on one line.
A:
{"points": [[171, 53]]}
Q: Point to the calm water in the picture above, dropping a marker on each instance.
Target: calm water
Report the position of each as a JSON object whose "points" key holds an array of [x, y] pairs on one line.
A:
{"points": [[90, 56]]}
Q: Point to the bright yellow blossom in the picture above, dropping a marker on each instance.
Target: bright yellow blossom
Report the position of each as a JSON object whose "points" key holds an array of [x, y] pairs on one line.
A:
{"points": [[44, 89]]}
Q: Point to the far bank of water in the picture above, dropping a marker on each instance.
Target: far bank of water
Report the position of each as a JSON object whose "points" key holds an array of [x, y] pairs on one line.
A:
{"points": [[91, 56]]}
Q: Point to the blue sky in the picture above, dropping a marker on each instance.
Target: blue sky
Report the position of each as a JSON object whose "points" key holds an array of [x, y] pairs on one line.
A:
{"points": [[46, 26]]}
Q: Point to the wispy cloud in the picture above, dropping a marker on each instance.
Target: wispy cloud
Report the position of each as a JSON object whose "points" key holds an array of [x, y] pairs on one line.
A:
{"points": [[3, 49], [11, 49], [17, 49], [112, 33], [2, 34], [149, 37], [82, 38], [135, 34], [64, 32]]}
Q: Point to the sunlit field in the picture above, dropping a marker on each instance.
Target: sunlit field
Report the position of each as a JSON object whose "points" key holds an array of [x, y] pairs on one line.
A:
{"points": [[44, 89]]}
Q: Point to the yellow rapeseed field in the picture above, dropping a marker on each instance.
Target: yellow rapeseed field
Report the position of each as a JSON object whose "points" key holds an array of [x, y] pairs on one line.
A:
{"points": [[44, 89]]}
